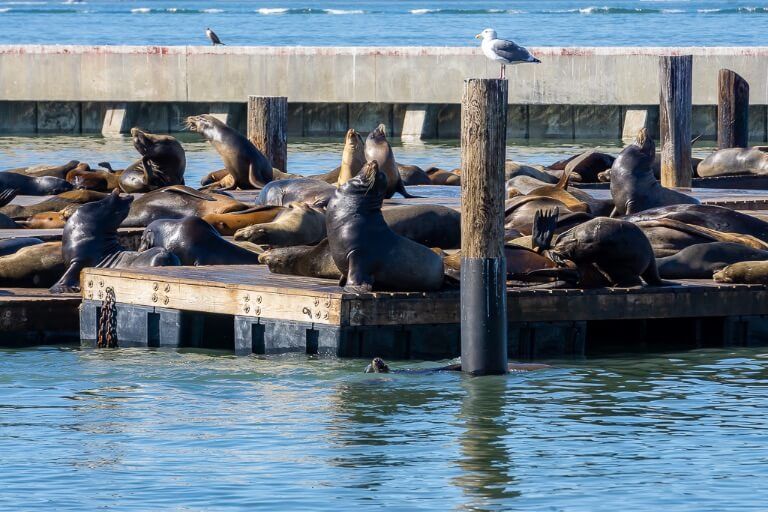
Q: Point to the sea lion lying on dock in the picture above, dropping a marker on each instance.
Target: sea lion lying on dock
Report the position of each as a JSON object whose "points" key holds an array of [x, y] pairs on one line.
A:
{"points": [[633, 186], [366, 251], [34, 265], [520, 212], [52, 204], [669, 236], [734, 161], [162, 163], [377, 149], [303, 260], [703, 260], [101, 180], [54, 171], [90, 239], [33, 186], [413, 175], [439, 176], [297, 224], [177, 202], [745, 272], [296, 190], [228, 223]]}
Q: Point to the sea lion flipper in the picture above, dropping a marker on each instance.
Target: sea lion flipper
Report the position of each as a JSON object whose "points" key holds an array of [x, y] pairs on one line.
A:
{"points": [[401, 190], [176, 189], [544, 224], [7, 195], [562, 183]]}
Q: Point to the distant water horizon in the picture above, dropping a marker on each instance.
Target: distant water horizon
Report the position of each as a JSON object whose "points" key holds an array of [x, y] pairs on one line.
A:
{"points": [[376, 23]]}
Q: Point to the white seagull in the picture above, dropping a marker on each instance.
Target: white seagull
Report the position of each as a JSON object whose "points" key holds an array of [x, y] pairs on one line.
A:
{"points": [[213, 37], [501, 50]]}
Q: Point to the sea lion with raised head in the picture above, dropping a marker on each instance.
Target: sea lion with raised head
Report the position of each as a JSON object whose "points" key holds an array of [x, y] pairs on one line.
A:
{"points": [[298, 224], [367, 252], [377, 148], [194, 242], [162, 163], [633, 185], [352, 158], [177, 202], [302, 260]]}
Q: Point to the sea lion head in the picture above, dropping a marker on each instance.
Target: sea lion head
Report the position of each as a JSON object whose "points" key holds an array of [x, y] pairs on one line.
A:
{"points": [[377, 366], [368, 182], [204, 124], [108, 213], [723, 276], [379, 134], [353, 139], [645, 143], [151, 145]]}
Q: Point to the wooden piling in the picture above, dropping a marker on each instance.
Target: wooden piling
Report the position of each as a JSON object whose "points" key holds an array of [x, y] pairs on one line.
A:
{"points": [[675, 77], [483, 269], [732, 110], [267, 124]]}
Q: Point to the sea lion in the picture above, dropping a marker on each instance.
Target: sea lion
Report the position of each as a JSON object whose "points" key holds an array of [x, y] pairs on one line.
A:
{"points": [[702, 260], [439, 176], [11, 245], [524, 184], [33, 186], [512, 169], [352, 158], [228, 223], [520, 211], [46, 220], [54, 171], [162, 163], [633, 186], [716, 218], [431, 225], [53, 204], [745, 272], [560, 193], [727, 162], [6, 196], [617, 248], [366, 251], [102, 180], [377, 148], [589, 164], [298, 224], [213, 177], [669, 236], [378, 365], [519, 261], [177, 202], [36, 265], [90, 239], [247, 166], [413, 175], [194, 242], [303, 260], [296, 190]]}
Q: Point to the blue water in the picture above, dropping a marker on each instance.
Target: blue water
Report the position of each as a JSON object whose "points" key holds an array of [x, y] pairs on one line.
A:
{"points": [[387, 23], [145, 430]]}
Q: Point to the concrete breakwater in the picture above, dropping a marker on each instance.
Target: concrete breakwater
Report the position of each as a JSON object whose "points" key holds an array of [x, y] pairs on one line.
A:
{"points": [[576, 93]]}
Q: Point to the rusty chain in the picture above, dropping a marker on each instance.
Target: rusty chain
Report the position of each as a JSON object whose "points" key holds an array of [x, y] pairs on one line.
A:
{"points": [[106, 336]]}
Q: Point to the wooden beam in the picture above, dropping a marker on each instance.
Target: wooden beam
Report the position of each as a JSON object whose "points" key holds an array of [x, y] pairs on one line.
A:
{"points": [[675, 76], [732, 110], [267, 125]]}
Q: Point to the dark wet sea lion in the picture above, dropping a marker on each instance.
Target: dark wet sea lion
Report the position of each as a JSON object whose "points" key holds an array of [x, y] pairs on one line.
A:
{"points": [[744, 272], [618, 248], [31, 186], [90, 239], [669, 236], [413, 175], [247, 165], [177, 202], [53, 204], [162, 163], [726, 162], [633, 186], [512, 169], [298, 224], [54, 171], [366, 251], [379, 366], [717, 218], [377, 148], [303, 260], [11, 245], [194, 242], [431, 225], [6, 196], [589, 164], [228, 223], [702, 260], [439, 176], [37, 265], [301, 190]]}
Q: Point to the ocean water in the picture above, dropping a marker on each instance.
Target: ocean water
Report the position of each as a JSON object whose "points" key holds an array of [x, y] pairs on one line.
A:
{"points": [[194, 431], [379, 23]]}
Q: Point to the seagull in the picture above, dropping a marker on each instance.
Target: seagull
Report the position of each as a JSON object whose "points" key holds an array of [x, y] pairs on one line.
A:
{"points": [[501, 50], [213, 37]]}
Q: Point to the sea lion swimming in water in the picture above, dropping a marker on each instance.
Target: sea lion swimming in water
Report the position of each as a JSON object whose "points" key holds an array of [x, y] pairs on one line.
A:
{"points": [[366, 251], [379, 366], [377, 148], [633, 186], [162, 163]]}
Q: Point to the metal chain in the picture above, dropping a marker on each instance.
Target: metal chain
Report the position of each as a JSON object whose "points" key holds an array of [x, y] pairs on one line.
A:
{"points": [[107, 333]]}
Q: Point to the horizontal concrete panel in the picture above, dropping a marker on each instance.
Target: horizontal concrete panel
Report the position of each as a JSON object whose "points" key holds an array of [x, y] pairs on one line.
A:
{"points": [[566, 76]]}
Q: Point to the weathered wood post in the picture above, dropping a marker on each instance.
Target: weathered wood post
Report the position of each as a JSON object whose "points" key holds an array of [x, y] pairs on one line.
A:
{"points": [[483, 269], [267, 123], [732, 110], [675, 76]]}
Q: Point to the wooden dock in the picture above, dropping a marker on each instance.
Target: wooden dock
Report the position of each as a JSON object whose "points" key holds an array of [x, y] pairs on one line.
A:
{"points": [[32, 316], [249, 310]]}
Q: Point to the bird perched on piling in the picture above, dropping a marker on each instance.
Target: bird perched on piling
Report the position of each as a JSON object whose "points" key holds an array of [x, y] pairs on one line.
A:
{"points": [[213, 37], [503, 51]]}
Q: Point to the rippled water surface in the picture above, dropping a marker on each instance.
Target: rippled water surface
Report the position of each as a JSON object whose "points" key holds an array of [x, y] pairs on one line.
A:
{"points": [[158, 430], [377, 23]]}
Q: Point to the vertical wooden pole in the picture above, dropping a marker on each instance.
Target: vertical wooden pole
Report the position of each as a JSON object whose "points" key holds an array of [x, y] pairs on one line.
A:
{"points": [[675, 76], [483, 269], [732, 110], [267, 124]]}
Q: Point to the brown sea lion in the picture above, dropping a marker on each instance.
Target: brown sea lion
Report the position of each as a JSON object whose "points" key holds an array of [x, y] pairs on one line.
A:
{"points": [[589, 164], [298, 224], [45, 220], [366, 251], [745, 272], [162, 163], [377, 148], [102, 180], [633, 186], [512, 169], [54, 171], [228, 223], [519, 260], [213, 177], [53, 204], [37, 265], [439, 176], [520, 211], [560, 193], [352, 158], [309, 261], [176, 202], [727, 162]]}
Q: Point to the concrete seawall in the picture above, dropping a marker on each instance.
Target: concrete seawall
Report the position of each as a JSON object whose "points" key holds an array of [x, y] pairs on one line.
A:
{"points": [[575, 93]]}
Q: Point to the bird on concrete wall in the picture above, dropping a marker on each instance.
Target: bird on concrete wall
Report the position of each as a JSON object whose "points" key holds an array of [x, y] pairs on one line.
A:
{"points": [[503, 51], [213, 37]]}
